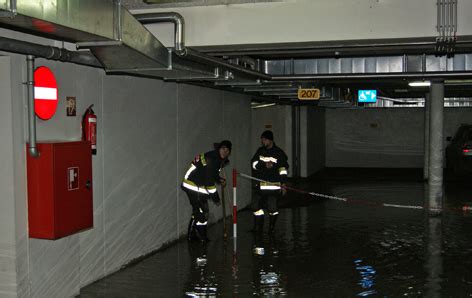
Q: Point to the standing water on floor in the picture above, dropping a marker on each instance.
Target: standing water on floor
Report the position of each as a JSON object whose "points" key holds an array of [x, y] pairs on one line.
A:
{"points": [[321, 248]]}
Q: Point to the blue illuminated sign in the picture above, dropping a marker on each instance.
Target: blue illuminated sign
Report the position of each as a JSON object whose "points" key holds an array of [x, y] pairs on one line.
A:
{"points": [[367, 96]]}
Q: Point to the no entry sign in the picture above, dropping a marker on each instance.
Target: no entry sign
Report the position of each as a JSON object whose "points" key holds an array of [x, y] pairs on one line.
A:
{"points": [[45, 93]]}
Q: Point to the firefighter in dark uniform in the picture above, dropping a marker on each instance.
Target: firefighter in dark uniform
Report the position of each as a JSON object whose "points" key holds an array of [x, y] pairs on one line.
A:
{"points": [[269, 164], [200, 185]]}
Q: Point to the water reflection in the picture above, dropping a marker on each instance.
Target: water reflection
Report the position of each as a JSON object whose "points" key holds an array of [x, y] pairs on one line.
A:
{"points": [[269, 284], [367, 280], [434, 262], [267, 281], [326, 249], [203, 280]]}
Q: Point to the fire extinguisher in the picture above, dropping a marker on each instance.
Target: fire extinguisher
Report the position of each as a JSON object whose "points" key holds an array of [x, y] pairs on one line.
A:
{"points": [[89, 128]]}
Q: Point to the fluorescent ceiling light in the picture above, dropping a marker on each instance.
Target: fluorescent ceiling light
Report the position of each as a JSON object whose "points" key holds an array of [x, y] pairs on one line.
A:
{"points": [[264, 106], [420, 84]]}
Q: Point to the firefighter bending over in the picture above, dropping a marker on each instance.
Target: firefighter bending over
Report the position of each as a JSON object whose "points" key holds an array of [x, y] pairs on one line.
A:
{"points": [[269, 164], [200, 185]]}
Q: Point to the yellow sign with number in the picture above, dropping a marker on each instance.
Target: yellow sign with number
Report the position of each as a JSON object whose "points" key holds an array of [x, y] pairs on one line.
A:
{"points": [[308, 94]]}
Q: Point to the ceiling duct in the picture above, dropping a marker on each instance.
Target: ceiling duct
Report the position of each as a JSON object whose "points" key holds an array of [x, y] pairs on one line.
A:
{"points": [[119, 41], [121, 44]]}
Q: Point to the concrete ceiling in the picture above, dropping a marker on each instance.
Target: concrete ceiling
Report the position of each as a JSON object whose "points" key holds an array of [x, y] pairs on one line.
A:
{"points": [[336, 67]]}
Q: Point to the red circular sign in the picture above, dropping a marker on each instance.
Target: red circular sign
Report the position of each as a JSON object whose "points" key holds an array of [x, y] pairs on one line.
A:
{"points": [[45, 93]]}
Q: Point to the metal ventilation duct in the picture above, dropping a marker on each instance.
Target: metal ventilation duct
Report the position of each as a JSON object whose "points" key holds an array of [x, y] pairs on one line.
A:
{"points": [[120, 42]]}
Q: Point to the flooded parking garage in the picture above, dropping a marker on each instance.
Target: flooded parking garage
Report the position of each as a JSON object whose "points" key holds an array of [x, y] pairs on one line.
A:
{"points": [[321, 247], [137, 91]]}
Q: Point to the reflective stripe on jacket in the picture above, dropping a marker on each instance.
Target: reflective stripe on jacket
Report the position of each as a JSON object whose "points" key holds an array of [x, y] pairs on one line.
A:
{"points": [[203, 173], [277, 174]]}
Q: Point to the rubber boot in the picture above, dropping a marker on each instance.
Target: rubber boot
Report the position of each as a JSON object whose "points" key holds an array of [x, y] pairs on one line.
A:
{"points": [[272, 247], [258, 244], [272, 221], [191, 230], [259, 224]]}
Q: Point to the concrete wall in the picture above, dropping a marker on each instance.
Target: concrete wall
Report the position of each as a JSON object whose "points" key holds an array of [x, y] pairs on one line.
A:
{"points": [[312, 139], [309, 20], [379, 138], [278, 119], [385, 138], [148, 132], [7, 218]]}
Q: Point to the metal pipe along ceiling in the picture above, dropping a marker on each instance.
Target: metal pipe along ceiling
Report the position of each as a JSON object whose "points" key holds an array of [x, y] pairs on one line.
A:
{"points": [[195, 55], [48, 52], [148, 59], [174, 17], [399, 75], [178, 20]]}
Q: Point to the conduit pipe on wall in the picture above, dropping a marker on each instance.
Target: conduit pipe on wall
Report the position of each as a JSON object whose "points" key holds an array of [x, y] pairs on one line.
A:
{"points": [[33, 151]]}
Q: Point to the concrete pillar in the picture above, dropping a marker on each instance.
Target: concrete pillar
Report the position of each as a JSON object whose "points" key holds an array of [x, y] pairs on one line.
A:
{"points": [[427, 114], [295, 141], [304, 141], [436, 147]]}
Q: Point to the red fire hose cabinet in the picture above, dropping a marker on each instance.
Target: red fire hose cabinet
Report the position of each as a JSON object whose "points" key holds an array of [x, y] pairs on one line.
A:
{"points": [[60, 196]]}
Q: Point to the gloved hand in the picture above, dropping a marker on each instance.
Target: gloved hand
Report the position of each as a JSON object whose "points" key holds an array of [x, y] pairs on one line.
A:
{"points": [[215, 197], [223, 182]]}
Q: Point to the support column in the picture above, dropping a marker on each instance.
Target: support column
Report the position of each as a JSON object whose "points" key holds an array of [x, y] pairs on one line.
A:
{"points": [[303, 142], [436, 148], [427, 115], [295, 141]]}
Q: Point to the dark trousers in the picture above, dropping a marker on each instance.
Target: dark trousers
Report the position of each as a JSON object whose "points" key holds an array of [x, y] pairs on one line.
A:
{"points": [[199, 204], [266, 199]]}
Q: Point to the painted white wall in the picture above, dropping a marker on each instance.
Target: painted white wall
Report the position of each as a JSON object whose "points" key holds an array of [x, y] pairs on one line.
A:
{"points": [[308, 20], [8, 279], [278, 119], [385, 138], [148, 132], [378, 138]]}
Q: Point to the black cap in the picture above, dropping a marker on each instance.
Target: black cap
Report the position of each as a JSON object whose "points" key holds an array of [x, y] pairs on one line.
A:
{"points": [[226, 144], [267, 135]]}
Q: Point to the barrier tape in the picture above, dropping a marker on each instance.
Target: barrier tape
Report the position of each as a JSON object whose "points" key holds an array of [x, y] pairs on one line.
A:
{"points": [[348, 200]]}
